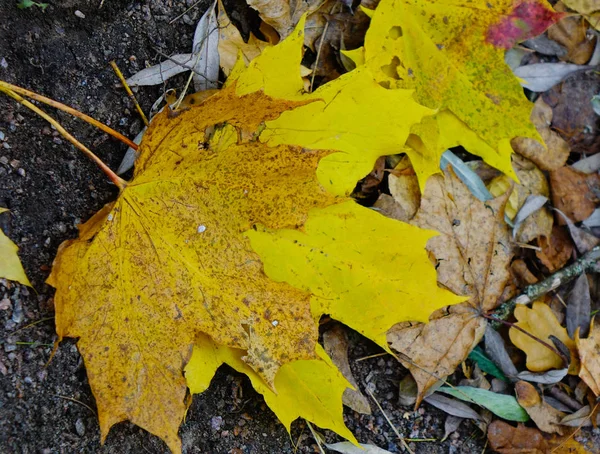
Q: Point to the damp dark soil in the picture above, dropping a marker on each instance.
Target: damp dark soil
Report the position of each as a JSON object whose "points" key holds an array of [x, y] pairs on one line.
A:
{"points": [[64, 52]]}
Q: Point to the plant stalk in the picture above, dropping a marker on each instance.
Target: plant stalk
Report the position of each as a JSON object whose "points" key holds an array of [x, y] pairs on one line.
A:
{"points": [[118, 181]]}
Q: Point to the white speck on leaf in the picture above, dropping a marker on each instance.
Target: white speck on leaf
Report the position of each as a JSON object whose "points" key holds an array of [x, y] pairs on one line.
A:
{"points": [[201, 228]]}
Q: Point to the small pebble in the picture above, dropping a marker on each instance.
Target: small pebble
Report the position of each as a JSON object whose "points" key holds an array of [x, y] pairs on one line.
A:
{"points": [[2, 136], [79, 14], [21, 172], [28, 380], [3, 63], [216, 422], [80, 427], [9, 347]]}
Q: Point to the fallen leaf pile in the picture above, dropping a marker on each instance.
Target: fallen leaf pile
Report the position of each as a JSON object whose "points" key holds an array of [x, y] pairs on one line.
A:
{"points": [[240, 229]]}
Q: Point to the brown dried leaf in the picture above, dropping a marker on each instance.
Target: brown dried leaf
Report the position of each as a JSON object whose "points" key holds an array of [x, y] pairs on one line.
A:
{"points": [[532, 182], [546, 417], [507, 439], [590, 358], [557, 250], [404, 187], [574, 193], [472, 252], [573, 115], [571, 32], [433, 351], [557, 150], [474, 249]]}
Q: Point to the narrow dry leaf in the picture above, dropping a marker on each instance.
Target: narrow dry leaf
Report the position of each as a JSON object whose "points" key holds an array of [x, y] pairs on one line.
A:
{"points": [[532, 205], [574, 193], [556, 250], [452, 406], [579, 308], [158, 74], [581, 418], [10, 265], [335, 343], [590, 164], [205, 51], [545, 46], [387, 206], [540, 77], [496, 350], [554, 155], [546, 417], [547, 378], [345, 447], [583, 240], [283, 15], [590, 359], [571, 32], [594, 219], [540, 322]]}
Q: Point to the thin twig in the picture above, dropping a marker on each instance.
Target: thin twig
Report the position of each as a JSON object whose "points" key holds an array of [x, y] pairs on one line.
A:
{"points": [[31, 324], [186, 11], [312, 79], [535, 291], [76, 401], [69, 110], [129, 92], [376, 355], [117, 180], [390, 423]]}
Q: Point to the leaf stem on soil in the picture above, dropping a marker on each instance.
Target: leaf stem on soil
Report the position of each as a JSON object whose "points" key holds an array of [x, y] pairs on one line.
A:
{"points": [[118, 181], [69, 110], [402, 440], [532, 292], [129, 92]]}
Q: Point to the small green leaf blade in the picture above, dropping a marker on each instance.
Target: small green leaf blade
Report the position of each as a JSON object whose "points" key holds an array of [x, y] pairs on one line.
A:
{"points": [[506, 407]]}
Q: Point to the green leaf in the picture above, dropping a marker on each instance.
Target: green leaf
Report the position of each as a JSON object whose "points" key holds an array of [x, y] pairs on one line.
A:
{"points": [[506, 407], [486, 364]]}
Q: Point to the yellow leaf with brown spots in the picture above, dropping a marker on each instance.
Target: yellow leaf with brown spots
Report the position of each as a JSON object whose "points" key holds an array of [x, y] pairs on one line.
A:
{"points": [[449, 52], [225, 233]]}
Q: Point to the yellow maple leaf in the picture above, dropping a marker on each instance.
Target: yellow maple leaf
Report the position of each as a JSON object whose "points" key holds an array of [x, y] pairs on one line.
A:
{"points": [[10, 265], [310, 389], [441, 49], [540, 321], [173, 256]]}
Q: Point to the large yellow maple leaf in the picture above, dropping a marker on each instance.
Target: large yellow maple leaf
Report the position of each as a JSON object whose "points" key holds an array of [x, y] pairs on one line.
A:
{"points": [[450, 52], [221, 235]]}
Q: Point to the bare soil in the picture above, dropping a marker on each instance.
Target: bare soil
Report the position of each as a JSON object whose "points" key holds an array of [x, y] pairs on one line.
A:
{"points": [[50, 188]]}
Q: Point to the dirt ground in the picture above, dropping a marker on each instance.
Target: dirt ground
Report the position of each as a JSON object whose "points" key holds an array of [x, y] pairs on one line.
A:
{"points": [[50, 187]]}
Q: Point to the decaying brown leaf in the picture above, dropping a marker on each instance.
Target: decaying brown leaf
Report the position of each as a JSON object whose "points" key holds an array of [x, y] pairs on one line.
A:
{"points": [[556, 152], [404, 187], [571, 32], [472, 253], [556, 250], [546, 417], [589, 355], [507, 439], [573, 114], [574, 193]]}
